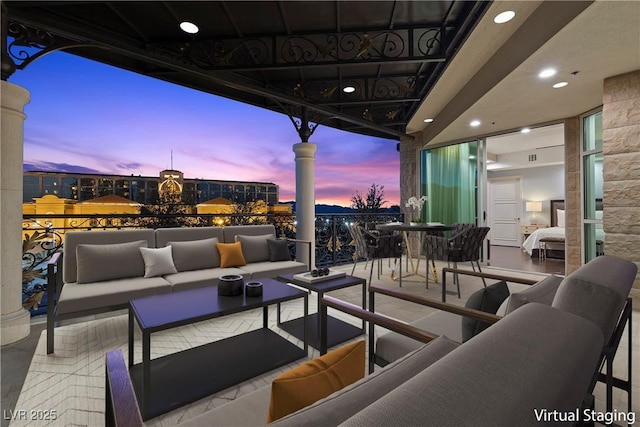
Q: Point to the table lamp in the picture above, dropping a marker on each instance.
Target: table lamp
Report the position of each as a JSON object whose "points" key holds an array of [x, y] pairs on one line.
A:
{"points": [[533, 207]]}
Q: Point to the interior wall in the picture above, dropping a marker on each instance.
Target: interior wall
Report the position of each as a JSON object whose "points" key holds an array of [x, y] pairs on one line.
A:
{"points": [[543, 184]]}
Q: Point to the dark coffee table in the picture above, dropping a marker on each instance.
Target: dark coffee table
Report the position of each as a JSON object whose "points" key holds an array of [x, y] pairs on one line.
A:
{"points": [[171, 381], [337, 330]]}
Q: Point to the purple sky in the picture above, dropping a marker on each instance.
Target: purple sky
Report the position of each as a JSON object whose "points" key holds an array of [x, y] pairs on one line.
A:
{"points": [[89, 117]]}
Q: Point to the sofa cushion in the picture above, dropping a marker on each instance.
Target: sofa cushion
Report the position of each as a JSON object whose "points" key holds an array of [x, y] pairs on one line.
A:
{"points": [[157, 262], [200, 278], [542, 292], [597, 291], [316, 379], [339, 406], [486, 299], [230, 254], [98, 263], [248, 410], [255, 248], [392, 346], [272, 269], [74, 238], [278, 250], [76, 297], [184, 234], [195, 254], [230, 232], [482, 380]]}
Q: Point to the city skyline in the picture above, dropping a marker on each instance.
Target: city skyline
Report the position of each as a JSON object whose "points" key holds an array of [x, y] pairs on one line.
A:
{"points": [[131, 124]]}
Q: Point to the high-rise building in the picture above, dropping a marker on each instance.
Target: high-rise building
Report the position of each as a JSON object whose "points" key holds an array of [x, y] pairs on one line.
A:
{"points": [[143, 189]]}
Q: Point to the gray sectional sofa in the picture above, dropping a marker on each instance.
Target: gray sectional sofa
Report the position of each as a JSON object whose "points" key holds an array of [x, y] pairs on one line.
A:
{"points": [[536, 366], [102, 270]]}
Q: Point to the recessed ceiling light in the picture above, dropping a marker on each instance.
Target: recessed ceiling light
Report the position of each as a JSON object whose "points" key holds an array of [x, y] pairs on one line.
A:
{"points": [[475, 123], [189, 27], [547, 72], [428, 120], [503, 17], [525, 130], [559, 85], [349, 89]]}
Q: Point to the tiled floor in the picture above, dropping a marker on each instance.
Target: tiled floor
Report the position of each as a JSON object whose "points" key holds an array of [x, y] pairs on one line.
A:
{"points": [[72, 380]]}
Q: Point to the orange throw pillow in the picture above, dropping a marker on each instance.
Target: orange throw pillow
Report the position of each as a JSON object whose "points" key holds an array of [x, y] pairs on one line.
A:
{"points": [[230, 254], [316, 379]]}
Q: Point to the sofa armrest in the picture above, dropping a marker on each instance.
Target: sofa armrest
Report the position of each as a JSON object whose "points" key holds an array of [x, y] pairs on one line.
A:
{"points": [[455, 309], [121, 405], [455, 271], [308, 242], [54, 286]]}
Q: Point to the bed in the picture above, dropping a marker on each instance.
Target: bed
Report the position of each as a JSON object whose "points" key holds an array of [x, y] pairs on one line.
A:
{"points": [[555, 233]]}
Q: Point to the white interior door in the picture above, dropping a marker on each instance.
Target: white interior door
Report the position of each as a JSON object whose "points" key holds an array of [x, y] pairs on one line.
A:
{"points": [[505, 208]]}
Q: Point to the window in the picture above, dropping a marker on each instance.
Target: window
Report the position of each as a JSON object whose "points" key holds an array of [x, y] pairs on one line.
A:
{"points": [[592, 186]]}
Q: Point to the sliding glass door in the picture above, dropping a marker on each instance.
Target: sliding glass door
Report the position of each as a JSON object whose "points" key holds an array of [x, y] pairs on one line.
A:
{"points": [[449, 178]]}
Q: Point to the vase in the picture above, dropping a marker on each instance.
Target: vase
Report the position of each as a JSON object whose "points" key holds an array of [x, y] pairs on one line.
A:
{"points": [[230, 285]]}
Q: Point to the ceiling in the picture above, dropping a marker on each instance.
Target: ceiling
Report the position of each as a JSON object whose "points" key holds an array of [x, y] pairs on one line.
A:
{"points": [[494, 77], [293, 57]]}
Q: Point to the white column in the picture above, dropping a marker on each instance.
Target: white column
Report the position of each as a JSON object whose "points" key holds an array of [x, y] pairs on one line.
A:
{"points": [[14, 320], [305, 200]]}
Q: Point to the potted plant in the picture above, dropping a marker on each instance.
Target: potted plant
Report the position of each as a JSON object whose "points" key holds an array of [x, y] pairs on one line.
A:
{"points": [[416, 204]]}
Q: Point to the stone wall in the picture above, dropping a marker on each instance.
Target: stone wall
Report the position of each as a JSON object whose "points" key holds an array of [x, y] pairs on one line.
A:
{"points": [[621, 147]]}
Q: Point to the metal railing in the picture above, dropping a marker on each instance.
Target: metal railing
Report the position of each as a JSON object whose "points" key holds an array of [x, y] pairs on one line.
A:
{"points": [[333, 242]]}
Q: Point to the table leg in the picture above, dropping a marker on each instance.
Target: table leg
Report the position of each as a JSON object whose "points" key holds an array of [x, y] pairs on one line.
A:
{"points": [[130, 338], [146, 373], [278, 315], [265, 316], [305, 325], [364, 301]]}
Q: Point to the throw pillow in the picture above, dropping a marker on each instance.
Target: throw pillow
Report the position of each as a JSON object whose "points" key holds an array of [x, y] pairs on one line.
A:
{"points": [[486, 299], [195, 254], [98, 263], [157, 261], [255, 248], [543, 292], [278, 250], [230, 254], [316, 379]]}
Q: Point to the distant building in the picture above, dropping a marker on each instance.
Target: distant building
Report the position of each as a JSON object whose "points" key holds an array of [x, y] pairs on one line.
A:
{"points": [[144, 189]]}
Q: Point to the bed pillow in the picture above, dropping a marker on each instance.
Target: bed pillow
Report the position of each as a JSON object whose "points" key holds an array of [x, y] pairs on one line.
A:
{"points": [[157, 261], [560, 217], [195, 254], [99, 263]]}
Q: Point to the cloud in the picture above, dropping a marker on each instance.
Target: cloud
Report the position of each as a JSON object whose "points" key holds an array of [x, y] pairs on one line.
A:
{"points": [[56, 167]]}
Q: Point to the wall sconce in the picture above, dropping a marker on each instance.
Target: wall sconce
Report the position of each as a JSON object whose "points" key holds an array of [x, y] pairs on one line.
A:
{"points": [[533, 207]]}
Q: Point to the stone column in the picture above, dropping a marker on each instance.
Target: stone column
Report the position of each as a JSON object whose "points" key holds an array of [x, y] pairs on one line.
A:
{"points": [[410, 179], [572, 195], [305, 200], [621, 148], [14, 319]]}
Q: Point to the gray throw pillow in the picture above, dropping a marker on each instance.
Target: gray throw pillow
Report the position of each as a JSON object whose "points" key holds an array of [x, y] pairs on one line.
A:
{"points": [[278, 250], [255, 248], [543, 292], [195, 254], [157, 261], [99, 263], [486, 299]]}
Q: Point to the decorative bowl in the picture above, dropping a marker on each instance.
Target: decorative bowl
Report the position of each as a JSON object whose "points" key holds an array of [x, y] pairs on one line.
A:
{"points": [[230, 285]]}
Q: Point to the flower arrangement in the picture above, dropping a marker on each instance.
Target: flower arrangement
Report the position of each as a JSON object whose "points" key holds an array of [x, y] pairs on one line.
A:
{"points": [[416, 204]]}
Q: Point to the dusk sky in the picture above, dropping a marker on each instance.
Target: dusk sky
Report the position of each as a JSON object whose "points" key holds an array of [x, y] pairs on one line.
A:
{"points": [[85, 116]]}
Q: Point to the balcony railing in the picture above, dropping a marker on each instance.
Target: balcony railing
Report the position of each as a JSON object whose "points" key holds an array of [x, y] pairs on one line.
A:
{"points": [[333, 242]]}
